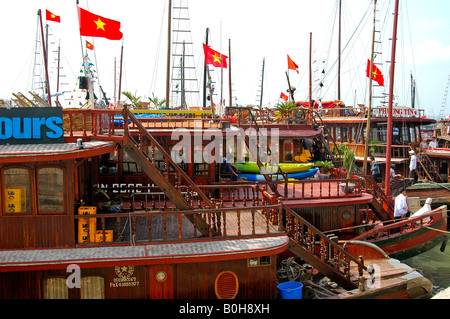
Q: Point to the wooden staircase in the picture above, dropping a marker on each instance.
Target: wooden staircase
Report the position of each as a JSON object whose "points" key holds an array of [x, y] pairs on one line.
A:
{"points": [[135, 148], [320, 251], [426, 169], [381, 205]]}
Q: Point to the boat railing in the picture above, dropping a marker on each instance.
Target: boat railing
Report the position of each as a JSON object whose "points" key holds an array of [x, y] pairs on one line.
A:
{"points": [[174, 225], [106, 123], [317, 189], [401, 225], [315, 246], [90, 123]]}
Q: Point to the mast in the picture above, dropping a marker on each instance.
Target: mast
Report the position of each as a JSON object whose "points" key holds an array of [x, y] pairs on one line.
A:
{"points": [[204, 73], [49, 99], [115, 82], [311, 106], [229, 72], [369, 111], [169, 40], [391, 102], [57, 76], [120, 74], [339, 53], [262, 84], [183, 88]]}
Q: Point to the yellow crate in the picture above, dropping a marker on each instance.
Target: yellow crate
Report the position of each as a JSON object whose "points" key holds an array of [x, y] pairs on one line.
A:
{"points": [[107, 239], [87, 210]]}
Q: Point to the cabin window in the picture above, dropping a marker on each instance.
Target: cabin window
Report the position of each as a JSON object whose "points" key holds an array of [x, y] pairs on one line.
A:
{"points": [[345, 135], [50, 182], [129, 165], [56, 288], [92, 287], [338, 135], [16, 190]]}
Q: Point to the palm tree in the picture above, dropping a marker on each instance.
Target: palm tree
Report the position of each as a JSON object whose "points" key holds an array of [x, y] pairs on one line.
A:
{"points": [[156, 102], [133, 99], [283, 110]]}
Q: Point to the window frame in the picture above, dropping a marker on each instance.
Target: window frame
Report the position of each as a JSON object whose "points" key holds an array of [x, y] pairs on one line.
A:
{"points": [[36, 176], [33, 181]]}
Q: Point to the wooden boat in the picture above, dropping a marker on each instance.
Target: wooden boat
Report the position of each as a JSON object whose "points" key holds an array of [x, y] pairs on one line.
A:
{"points": [[182, 233], [253, 168]]}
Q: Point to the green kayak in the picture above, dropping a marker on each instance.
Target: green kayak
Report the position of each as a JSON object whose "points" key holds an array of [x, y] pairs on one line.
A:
{"points": [[252, 167]]}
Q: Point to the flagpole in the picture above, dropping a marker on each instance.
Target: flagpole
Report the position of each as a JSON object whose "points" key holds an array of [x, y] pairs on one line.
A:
{"points": [[369, 111], [49, 97]]}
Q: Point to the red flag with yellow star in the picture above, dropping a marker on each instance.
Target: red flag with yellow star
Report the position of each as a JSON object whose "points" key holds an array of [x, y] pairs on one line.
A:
{"points": [[377, 74], [89, 45], [52, 17], [215, 58], [92, 25]]}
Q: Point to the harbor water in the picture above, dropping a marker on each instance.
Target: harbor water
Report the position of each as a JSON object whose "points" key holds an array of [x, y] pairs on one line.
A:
{"points": [[434, 265]]}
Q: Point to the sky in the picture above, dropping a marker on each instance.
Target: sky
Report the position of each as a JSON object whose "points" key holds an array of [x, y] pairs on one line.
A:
{"points": [[255, 31]]}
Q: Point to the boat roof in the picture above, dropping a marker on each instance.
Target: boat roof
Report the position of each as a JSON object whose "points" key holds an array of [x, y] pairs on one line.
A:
{"points": [[101, 256], [50, 152]]}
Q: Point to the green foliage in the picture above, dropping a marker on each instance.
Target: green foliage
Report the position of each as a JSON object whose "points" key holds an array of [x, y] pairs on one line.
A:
{"points": [[133, 99], [349, 162], [324, 166], [158, 104]]}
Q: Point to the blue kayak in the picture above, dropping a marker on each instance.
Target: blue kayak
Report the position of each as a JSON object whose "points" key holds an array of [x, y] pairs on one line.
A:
{"points": [[276, 177]]}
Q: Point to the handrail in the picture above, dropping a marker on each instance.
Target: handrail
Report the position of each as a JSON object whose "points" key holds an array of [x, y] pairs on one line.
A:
{"points": [[128, 115], [304, 235], [221, 223], [419, 222], [373, 188]]}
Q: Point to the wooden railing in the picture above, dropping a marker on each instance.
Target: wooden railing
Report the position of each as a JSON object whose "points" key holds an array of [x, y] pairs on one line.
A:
{"points": [[399, 227], [90, 123], [173, 225], [317, 189], [319, 250]]}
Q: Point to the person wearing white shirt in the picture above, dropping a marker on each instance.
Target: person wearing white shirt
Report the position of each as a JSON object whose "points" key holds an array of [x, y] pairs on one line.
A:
{"points": [[401, 204], [413, 166], [433, 143]]}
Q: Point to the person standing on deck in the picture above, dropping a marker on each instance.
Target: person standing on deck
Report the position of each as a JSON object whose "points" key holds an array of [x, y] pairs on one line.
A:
{"points": [[413, 166], [376, 171], [401, 205]]}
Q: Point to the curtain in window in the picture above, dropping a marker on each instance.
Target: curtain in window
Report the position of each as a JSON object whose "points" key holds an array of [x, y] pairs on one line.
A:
{"points": [[56, 288], [92, 287]]}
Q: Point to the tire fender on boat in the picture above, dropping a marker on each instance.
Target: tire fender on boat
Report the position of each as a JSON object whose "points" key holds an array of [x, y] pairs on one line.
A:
{"points": [[444, 244]]}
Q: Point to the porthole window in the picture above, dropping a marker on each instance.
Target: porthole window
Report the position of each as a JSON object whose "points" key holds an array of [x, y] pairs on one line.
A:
{"points": [[227, 285]]}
